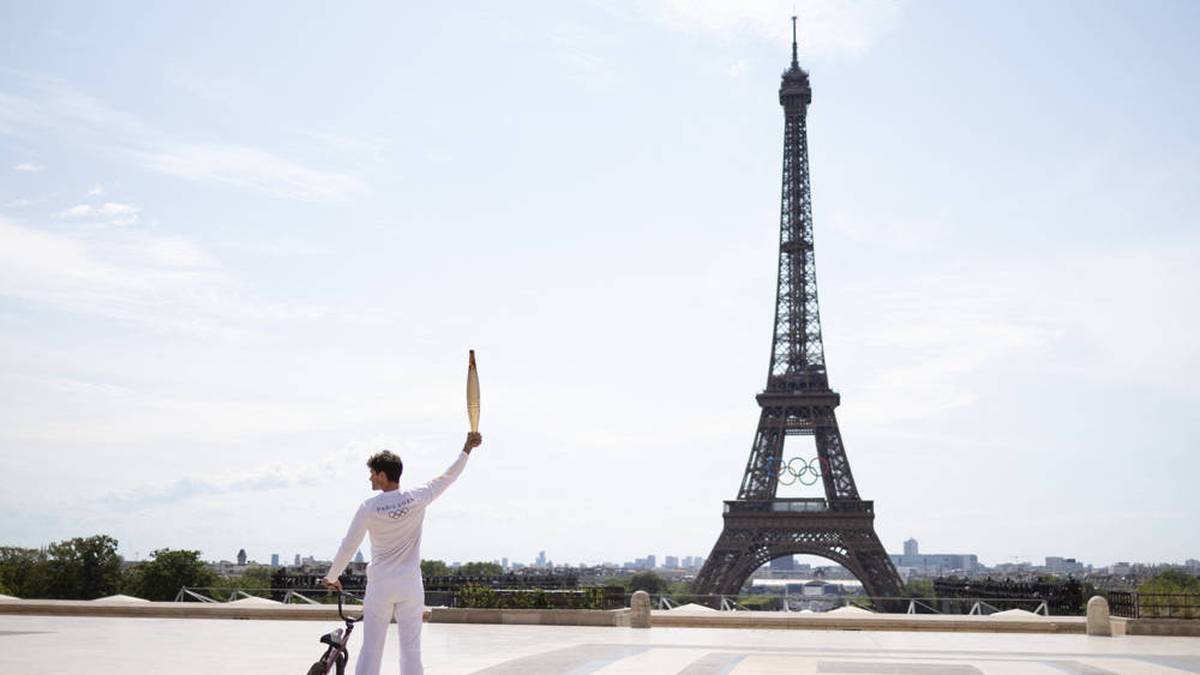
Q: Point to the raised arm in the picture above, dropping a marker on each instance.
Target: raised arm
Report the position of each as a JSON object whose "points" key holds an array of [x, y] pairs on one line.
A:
{"points": [[350, 544], [434, 488]]}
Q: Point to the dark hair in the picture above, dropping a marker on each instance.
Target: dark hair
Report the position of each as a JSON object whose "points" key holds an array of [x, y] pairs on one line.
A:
{"points": [[387, 462]]}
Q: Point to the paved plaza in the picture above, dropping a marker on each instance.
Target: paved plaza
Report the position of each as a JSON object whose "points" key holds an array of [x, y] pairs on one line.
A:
{"points": [[44, 645]]}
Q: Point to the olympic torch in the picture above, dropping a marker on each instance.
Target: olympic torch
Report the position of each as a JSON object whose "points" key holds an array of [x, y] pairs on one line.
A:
{"points": [[473, 393]]}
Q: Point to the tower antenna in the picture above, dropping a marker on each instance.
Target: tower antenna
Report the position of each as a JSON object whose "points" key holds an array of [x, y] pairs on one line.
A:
{"points": [[795, 63]]}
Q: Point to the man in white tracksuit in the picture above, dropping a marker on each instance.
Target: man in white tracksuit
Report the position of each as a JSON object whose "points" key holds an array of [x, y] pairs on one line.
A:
{"points": [[394, 585]]}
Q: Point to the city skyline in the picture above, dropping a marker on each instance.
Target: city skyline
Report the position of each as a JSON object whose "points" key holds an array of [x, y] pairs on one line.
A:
{"points": [[226, 280], [1058, 564]]}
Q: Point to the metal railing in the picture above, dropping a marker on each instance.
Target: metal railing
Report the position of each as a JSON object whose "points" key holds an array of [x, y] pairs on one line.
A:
{"points": [[1135, 605], [822, 603], [799, 505], [467, 596], [288, 596], [1127, 604]]}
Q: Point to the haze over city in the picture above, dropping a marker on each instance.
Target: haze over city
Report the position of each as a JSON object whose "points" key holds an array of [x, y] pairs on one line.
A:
{"points": [[241, 248]]}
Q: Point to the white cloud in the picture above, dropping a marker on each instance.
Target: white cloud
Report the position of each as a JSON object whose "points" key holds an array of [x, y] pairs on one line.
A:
{"points": [[109, 212], [582, 49], [957, 326], [951, 327], [284, 247], [359, 147], [163, 282], [251, 168], [78, 211], [29, 167], [256, 479], [96, 190], [53, 106], [825, 27], [887, 228]]}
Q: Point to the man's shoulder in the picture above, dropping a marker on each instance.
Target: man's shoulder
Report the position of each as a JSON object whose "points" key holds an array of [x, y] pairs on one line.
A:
{"points": [[371, 501], [384, 500]]}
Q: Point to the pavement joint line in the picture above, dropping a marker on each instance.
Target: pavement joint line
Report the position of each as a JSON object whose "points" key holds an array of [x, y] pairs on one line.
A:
{"points": [[905, 653]]}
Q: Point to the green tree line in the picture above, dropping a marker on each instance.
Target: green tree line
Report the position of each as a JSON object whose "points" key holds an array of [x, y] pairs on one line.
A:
{"points": [[438, 568], [86, 568]]}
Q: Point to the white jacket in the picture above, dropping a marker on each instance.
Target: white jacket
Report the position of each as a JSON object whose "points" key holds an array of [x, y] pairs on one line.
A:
{"points": [[394, 521]]}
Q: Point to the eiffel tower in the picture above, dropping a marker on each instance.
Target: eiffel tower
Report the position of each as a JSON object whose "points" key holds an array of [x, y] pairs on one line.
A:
{"points": [[797, 401]]}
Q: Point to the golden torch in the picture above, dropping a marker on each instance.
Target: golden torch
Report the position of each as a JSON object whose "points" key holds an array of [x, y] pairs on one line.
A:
{"points": [[473, 393]]}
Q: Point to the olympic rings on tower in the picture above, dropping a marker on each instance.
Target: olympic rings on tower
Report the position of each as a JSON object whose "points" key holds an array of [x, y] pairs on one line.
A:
{"points": [[797, 469]]}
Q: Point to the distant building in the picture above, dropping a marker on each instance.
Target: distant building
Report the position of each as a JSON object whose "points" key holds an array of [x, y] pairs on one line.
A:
{"points": [[358, 557], [785, 564], [1121, 569], [647, 563], [274, 560], [297, 563], [504, 563], [672, 562], [817, 588], [241, 556], [933, 564], [541, 559], [1058, 565]]}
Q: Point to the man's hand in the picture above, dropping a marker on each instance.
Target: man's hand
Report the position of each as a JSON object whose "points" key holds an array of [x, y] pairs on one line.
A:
{"points": [[474, 438], [336, 584]]}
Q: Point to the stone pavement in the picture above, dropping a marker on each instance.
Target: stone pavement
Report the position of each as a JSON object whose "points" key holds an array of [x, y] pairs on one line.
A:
{"points": [[43, 645]]}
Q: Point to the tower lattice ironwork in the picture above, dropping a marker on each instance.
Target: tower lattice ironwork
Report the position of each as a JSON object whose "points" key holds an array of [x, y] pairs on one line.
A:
{"points": [[797, 401]]}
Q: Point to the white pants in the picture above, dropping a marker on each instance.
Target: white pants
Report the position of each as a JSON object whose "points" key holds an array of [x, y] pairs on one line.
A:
{"points": [[404, 600]]}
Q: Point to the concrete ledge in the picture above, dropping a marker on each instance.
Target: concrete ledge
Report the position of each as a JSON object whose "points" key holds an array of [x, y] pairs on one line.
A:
{"points": [[537, 617], [173, 610], [874, 622], [203, 610], [1165, 627], [618, 617]]}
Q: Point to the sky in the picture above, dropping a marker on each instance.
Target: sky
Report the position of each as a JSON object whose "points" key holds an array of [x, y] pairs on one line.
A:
{"points": [[245, 245]]}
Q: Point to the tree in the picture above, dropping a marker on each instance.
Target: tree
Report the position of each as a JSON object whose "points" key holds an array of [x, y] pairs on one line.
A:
{"points": [[22, 571], [168, 571], [131, 580], [622, 581], [258, 576], [480, 569], [83, 568], [1172, 593], [647, 581], [919, 588], [1170, 581], [434, 568], [255, 578]]}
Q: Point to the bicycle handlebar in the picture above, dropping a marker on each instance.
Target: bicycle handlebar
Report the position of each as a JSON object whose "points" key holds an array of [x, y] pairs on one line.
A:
{"points": [[340, 612]]}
